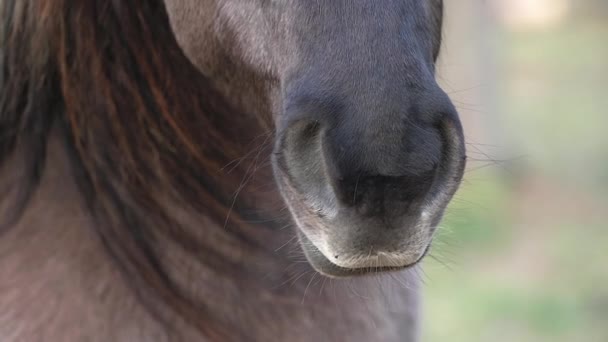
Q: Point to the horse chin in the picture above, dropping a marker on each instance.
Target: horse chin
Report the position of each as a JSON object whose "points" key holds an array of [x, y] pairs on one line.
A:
{"points": [[327, 268], [308, 221]]}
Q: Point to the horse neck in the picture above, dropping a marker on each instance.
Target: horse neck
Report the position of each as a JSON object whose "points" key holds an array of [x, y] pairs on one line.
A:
{"points": [[248, 270]]}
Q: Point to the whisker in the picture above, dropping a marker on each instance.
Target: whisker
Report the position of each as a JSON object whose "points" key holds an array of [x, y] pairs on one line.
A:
{"points": [[286, 243], [248, 175], [307, 286]]}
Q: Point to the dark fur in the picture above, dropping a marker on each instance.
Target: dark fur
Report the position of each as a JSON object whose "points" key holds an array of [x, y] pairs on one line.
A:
{"points": [[148, 138], [136, 119]]}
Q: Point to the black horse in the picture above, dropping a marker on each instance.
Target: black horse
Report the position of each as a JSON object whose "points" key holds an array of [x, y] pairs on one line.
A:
{"points": [[151, 153]]}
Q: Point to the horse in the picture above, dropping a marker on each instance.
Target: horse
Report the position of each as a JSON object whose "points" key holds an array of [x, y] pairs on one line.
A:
{"points": [[220, 170]]}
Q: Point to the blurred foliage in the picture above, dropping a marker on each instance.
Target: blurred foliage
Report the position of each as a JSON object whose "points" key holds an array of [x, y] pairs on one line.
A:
{"points": [[589, 8], [524, 258], [566, 70]]}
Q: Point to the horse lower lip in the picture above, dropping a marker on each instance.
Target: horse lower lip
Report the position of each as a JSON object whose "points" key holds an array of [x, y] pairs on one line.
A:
{"points": [[326, 267]]}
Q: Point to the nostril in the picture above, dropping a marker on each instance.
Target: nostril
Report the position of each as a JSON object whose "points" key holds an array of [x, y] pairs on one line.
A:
{"points": [[302, 159], [337, 157], [301, 131], [371, 194], [306, 130], [333, 174]]}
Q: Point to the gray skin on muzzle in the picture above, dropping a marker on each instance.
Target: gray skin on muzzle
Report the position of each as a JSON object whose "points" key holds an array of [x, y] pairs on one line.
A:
{"points": [[369, 150]]}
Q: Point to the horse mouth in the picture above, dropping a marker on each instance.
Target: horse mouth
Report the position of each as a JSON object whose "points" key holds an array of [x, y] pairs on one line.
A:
{"points": [[394, 222], [327, 268]]}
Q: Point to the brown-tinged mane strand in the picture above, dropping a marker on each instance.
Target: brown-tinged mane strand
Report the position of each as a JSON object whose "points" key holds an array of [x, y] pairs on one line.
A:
{"points": [[139, 123]]}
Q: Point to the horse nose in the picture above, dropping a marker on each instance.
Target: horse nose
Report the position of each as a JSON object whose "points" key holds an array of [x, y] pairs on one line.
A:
{"points": [[381, 163]]}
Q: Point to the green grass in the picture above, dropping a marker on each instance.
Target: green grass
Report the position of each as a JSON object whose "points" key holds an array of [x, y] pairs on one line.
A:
{"points": [[542, 277], [555, 97]]}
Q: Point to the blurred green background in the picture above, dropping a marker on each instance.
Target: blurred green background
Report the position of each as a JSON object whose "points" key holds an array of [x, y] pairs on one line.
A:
{"points": [[523, 252]]}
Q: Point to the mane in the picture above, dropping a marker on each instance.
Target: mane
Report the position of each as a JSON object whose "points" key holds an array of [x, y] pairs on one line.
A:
{"points": [[140, 124]]}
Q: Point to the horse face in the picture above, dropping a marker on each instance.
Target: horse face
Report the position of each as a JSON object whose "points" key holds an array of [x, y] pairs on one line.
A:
{"points": [[369, 150]]}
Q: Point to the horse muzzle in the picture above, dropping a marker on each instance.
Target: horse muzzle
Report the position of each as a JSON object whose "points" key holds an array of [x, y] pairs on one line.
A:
{"points": [[367, 195]]}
